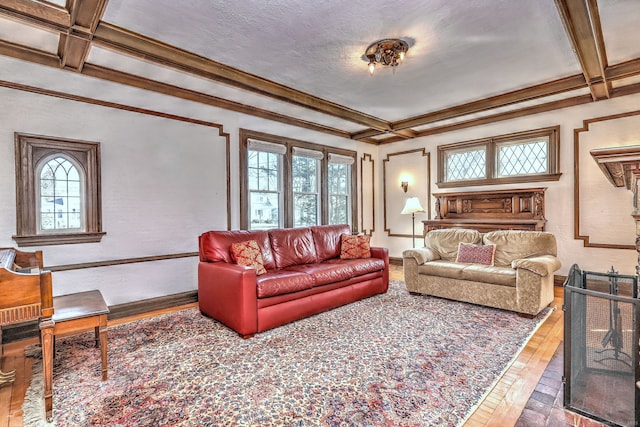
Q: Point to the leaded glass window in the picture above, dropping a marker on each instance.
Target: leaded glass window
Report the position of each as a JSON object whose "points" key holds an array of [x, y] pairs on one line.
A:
{"points": [[523, 158], [61, 196], [528, 156], [468, 164]]}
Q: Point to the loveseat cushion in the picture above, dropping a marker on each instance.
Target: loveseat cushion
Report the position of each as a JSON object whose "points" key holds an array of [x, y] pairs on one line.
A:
{"points": [[215, 245], [445, 242], [292, 246], [450, 269], [279, 282], [324, 273], [504, 276], [361, 266], [327, 240], [516, 244]]}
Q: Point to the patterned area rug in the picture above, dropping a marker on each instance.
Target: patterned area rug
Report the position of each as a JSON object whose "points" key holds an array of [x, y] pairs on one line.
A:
{"points": [[393, 359]]}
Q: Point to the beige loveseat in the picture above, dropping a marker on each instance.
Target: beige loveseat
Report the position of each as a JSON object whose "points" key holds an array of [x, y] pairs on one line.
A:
{"points": [[520, 280]]}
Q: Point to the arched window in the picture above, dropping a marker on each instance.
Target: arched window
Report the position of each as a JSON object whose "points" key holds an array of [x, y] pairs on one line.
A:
{"points": [[57, 191], [61, 195]]}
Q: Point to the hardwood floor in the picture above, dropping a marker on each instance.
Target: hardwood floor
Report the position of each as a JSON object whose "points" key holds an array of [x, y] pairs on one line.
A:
{"points": [[501, 407]]}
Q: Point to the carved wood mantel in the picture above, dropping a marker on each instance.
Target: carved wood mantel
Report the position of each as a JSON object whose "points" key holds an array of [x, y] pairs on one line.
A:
{"points": [[490, 210], [621, 166]]}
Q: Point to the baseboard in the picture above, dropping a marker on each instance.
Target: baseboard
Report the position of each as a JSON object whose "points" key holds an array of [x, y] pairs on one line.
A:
{"points": [[559, 280], [127, 309], [395, 261], [25, 330]]}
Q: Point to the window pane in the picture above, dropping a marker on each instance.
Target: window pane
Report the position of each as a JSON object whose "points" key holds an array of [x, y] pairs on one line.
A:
{"points": [[469, 164], [338, 210], [338, 178], [339, 193], [305, 173], [264, 210], [60, 196], [305, 212], [523, 158]]}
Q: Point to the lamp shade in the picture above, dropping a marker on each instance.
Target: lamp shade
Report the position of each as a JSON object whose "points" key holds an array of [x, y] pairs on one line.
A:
{"points": [[412, 206]]}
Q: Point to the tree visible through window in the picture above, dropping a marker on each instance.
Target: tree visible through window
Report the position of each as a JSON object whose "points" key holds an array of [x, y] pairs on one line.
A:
{"points": [[290, 183]]}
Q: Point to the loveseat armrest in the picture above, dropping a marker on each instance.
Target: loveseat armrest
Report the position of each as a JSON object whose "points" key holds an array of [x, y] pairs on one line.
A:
{"points": [[421, 255], [383, 254], [542, 265], [227, 293]]}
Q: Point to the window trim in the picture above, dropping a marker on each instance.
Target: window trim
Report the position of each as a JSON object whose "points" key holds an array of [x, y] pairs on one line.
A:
{"points": [[491, 143], [30, 150], [245, 135]]}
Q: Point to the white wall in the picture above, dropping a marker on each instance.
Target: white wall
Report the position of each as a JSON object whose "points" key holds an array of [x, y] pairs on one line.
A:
{"points": [[164, 181], [602, 219]]}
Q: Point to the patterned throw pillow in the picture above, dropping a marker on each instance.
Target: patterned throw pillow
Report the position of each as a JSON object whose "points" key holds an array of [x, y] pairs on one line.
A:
{"points": [[248, 254], [354, 247], [476, 254]]}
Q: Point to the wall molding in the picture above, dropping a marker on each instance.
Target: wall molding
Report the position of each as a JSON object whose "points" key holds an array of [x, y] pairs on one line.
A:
{"points": [[366, 157], [577, 233], [124, 107], [109, 263], [421, 151]]}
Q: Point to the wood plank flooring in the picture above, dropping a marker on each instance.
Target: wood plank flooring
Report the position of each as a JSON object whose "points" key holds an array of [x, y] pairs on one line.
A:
{"points": [[501, 407]]}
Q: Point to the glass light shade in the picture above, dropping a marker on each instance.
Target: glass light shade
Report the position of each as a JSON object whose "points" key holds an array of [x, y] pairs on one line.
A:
{"points": [[412, 205]]}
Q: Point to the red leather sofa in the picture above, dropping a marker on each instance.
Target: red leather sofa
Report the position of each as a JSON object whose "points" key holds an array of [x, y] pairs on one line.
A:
{"points": [[305, 276]]}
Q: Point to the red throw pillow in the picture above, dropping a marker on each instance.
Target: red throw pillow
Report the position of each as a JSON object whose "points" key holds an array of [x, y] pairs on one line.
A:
{"points": [[248, 254], [354, 247], [476, 254]]}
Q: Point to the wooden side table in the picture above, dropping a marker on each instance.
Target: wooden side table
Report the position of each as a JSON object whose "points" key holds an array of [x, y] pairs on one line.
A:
{"points": [[78, 312]]}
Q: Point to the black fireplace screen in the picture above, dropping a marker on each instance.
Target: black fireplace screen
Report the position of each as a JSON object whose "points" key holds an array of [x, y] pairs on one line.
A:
{"points": [[601, 346]]}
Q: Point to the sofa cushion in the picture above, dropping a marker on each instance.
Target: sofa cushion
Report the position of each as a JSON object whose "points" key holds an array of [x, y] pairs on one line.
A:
{"points": [[248, 254], [476, 254], [445, 242], [504, 276], [517, 244], [355, 247], [292, 246], [324, 273], [450, 269], [215, 245], [281, 282], [361, 266], [327, 240]]}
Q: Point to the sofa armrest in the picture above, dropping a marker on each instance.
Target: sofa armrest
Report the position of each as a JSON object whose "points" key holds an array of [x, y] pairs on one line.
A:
{"points": [[541, 265], [421, 255], [227, 293], [383, 254]]}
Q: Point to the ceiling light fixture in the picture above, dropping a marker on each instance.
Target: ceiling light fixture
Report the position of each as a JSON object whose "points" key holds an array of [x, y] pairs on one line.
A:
{"points": [[388, 52]]}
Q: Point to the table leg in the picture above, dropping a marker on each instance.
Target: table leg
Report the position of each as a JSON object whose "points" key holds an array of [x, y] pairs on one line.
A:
{"points": [[46, 336], [102, 333]]}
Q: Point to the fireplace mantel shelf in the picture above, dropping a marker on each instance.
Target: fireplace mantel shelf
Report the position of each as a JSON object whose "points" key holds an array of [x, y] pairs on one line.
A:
{"points": [[619, 164]]}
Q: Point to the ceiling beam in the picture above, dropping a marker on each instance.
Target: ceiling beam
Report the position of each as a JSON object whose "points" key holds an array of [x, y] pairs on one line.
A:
{"points": [[75, 43], [581, 21], [39, 13], [534, 92], [116, 76], [123, 41]]}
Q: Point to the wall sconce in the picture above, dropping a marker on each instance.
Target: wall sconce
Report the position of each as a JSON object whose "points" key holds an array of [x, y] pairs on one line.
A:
{"points": [[404, 185]]}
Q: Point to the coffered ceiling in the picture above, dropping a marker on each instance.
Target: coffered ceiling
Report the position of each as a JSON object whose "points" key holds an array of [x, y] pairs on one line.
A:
{"points": [[301, 63]]}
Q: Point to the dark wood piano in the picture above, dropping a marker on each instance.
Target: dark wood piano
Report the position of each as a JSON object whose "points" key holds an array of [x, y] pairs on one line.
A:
{"points": [[25, 294]]}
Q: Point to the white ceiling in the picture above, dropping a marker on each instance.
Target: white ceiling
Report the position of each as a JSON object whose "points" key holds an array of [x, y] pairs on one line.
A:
{"points": [[460, 50]]}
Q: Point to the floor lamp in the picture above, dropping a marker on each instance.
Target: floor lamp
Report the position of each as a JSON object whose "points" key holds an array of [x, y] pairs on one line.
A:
{"points": [[411, 207]]}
